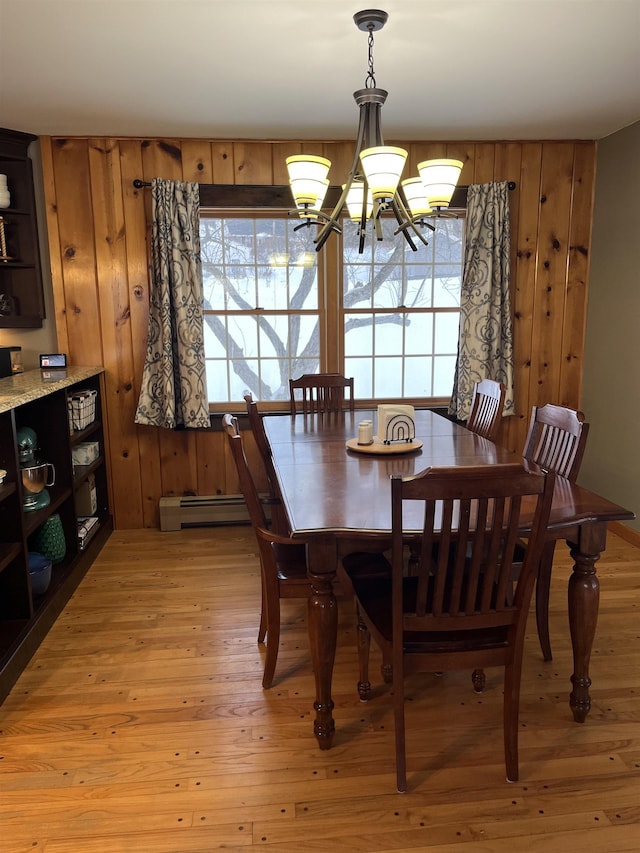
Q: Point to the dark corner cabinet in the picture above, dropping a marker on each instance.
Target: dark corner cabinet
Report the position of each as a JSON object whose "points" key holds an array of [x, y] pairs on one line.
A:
{"points": [[40, 400], [21, 294]]}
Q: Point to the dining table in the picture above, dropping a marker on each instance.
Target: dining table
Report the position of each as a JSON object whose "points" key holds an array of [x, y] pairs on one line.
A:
{"points": [[337, 497]]}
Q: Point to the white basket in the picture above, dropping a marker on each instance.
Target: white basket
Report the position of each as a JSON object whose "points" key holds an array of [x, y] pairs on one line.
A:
{"points": [[82, 408]]}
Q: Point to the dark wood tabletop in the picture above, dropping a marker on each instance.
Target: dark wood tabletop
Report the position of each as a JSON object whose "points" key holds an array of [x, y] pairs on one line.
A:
{"points": [[327, 487]]}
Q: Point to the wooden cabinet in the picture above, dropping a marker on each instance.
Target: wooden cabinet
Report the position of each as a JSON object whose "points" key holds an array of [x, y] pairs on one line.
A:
{"points": [[42, 404], [21, 294]]}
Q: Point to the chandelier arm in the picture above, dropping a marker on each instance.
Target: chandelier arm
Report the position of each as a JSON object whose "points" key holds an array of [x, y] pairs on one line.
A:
{"points": [[406, 220], [332, 220], [402, 221]]}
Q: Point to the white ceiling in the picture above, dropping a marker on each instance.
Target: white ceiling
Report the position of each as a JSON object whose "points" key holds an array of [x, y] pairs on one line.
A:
{"points": [[275, 69]]}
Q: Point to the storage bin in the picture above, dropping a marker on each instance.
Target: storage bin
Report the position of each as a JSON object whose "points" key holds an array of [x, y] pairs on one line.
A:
{"points": [[81, 406], [85, 453]]}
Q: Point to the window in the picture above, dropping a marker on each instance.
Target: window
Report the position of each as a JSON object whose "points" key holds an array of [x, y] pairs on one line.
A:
{"points": [[389, 317]]}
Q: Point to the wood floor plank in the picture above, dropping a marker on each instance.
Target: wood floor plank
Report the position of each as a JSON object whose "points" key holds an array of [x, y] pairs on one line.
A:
{"points": [[141, 725]]}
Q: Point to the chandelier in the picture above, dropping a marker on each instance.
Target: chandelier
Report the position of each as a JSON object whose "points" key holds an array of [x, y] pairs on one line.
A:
{"points": [[373, 184]]}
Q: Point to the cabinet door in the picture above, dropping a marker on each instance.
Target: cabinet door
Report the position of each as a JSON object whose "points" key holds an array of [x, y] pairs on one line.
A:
{"points": [[21, 296]]}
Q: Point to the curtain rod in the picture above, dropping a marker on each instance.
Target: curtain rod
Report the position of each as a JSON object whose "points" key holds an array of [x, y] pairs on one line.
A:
{"points": [[139, 184]]}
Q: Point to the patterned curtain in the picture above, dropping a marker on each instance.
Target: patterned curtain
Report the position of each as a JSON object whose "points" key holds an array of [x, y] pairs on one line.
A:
{"points": [[485, 344], [174, 388]]}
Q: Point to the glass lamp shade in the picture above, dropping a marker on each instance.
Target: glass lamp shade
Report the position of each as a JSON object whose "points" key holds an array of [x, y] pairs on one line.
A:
{"points": [[439, 178], [307, 166], [308, 180], [355, 198], [416, 197], [383, 166], [308, 193]]}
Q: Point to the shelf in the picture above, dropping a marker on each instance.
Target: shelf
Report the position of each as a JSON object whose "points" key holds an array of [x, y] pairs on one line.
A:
{"points": [[79, 435], [81, 472], [33, 519], [29, 400], [6, 489], [8, 553]]}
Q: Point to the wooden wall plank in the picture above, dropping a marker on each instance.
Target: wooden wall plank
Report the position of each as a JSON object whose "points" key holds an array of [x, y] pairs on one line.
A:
{"points": [[140, 444], [197, 163], [575, 315], [252, 161], [53, 235], [524, 283], [98, 227], [483, 163], [553, 253], [222, 160], [115, 320], [77, 250]]}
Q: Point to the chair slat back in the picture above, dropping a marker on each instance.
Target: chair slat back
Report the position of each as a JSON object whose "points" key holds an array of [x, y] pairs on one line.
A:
{"points": [[471, 520], [487, 404], [320, 393], [248, 487], [262, 442], [556, 440]]}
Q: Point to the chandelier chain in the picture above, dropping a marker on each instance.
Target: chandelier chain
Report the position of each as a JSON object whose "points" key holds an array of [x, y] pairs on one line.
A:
{"points": [[370, 82]]}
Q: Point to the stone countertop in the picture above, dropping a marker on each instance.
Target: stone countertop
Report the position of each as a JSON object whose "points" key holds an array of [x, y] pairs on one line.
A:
{"points": [[31, 385]]}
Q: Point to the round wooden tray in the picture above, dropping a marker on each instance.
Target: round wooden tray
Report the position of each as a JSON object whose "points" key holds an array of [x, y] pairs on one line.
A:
{"points": [[379, 448]]}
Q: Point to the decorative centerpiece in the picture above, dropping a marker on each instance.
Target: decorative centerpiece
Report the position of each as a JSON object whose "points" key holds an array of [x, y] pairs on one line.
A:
{"points": [[396, 423]]}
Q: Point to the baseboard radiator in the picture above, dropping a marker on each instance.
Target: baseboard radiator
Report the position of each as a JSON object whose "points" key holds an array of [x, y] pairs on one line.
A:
{"points": [[202, 511]]}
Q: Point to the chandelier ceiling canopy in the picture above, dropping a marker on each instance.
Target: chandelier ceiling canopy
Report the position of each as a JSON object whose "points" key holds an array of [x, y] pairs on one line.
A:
{"points": [[373, 184]]}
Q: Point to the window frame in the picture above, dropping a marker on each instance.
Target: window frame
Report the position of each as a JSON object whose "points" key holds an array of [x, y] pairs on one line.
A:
{"points": [[234, 201]]}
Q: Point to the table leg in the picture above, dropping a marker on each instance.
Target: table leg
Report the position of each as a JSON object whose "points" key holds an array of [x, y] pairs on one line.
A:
{"points": [[583, 600], [323, 634]]}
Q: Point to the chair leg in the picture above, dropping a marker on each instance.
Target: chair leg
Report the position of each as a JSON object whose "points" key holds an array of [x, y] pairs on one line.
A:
{"points": [[543, 586], [479, 680], [272, 602], [511, 713], [364, 647], [386, 671], [398, 713], [262, 630]]}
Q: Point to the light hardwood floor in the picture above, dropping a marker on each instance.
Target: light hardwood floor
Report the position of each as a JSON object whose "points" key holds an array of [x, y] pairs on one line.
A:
{"points": [[140, 725]]}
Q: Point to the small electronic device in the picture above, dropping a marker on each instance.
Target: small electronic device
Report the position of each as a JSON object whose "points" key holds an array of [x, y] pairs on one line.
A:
{"points": [[53, 361]]}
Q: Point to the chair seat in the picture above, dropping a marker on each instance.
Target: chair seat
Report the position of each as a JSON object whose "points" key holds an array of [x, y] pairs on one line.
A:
{"points": [[374, 594], [362, 566]]}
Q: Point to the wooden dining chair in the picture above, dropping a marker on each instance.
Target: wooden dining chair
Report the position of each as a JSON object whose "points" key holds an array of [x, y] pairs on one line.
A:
{"points": [[278, 517], [555, 442], [456, 612], [283, 562], [321, 392], [487, 404]]}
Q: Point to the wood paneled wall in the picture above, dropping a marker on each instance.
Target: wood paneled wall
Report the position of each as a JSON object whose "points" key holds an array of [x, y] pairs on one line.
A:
{"points": [[98, 227]]}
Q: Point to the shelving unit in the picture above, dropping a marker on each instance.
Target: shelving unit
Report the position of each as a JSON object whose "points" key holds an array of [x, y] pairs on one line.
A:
{"points": [[21, 294], [31, 400]]}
